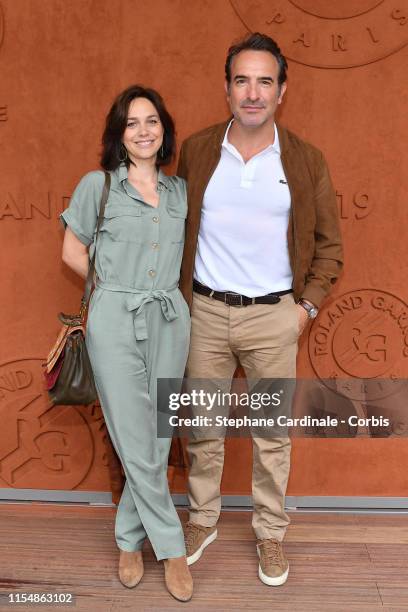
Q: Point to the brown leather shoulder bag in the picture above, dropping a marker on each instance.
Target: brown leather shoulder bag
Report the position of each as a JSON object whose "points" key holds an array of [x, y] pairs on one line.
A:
{"points": [[68, 372]]}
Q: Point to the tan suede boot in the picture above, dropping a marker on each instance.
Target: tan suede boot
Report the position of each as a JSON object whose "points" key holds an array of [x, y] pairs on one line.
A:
{"points": [[178, 579], [130, 568]]}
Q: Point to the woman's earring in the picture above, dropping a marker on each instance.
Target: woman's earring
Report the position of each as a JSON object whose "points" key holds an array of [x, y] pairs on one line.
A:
{"points": [[161, 152], [123, 156]]}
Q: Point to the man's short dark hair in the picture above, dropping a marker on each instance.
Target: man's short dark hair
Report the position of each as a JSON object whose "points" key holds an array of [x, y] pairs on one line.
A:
{"points": [[257, 42], [116, 121]]}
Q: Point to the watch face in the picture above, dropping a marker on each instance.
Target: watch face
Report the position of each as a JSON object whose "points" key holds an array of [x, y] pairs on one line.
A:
{"points": [[312, 311]]}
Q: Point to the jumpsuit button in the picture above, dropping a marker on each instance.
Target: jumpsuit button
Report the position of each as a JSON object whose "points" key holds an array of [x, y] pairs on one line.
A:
{"points": [[155, 219], [152, 273], [155, 245]]}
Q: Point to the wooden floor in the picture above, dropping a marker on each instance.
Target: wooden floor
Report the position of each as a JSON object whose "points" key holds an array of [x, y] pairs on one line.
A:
{"points": [[337, 563]]}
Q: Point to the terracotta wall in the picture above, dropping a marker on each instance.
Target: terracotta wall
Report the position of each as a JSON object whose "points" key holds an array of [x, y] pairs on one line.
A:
{"points": [[61, 63]]}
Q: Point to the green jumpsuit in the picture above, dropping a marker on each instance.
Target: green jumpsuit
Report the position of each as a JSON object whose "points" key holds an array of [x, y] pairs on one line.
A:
{"points": [[138, 330]]}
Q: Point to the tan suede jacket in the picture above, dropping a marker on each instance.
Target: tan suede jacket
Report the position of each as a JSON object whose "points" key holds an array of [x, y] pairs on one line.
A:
{"points": [[314, 239]]}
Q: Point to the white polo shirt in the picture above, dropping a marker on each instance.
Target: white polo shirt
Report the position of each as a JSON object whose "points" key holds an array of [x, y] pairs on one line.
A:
{"points": [[242, 243]]}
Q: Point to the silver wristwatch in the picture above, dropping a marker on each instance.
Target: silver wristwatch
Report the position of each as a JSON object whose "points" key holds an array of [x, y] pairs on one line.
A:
{"points": [[312, 311]]}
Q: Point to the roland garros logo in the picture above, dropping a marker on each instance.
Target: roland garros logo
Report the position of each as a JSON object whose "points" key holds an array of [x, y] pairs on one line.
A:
{"points": [[362, 335], [330, 34], [43, 447]]}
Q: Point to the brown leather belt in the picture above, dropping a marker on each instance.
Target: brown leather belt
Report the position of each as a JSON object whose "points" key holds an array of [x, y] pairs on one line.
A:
{"points": [[235, 299]]}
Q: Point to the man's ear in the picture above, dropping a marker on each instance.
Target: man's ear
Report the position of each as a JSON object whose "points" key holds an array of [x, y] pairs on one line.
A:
{"points": [[227, 87], [282, 90]]}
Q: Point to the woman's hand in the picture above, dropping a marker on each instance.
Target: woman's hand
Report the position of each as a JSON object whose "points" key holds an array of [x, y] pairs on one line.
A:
{"points": [[75, 253]]}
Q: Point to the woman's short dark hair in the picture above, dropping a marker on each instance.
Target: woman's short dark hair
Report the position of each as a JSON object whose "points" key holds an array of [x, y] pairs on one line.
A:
{"points": [[257, 42], [116, 121]]}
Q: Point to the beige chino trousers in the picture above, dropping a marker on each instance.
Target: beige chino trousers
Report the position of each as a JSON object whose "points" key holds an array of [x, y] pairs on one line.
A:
{"points": [[264, 338]]}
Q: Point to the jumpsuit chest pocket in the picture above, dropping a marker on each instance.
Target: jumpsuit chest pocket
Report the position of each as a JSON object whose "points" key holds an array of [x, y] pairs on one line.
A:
{"points": [[123, 222], [177, 211]]}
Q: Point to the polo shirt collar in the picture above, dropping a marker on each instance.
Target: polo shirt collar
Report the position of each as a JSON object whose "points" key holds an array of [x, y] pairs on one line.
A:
{"points": [[275, 146]]}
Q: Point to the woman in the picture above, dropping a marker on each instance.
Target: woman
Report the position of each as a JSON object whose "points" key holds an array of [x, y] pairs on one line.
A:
{"points": [[138, 324]]}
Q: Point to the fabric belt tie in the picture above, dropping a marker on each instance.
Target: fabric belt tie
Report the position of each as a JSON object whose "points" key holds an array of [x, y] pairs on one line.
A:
{"points": [[136, 302]]}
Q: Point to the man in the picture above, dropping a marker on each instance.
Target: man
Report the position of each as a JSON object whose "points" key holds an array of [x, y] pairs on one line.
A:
{"points": [[262, 251]]}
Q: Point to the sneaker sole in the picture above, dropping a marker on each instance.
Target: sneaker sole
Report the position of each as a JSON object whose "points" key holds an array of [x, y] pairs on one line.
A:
{"points": [[195, 557], [269, 580], [276, 581]]}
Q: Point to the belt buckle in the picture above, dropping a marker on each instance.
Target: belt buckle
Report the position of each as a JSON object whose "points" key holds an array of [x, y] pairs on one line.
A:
{"points": [[234, 300]]}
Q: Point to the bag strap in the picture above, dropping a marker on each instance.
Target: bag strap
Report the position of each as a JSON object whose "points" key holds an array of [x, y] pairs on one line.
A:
{"points": [[89, 279]]}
